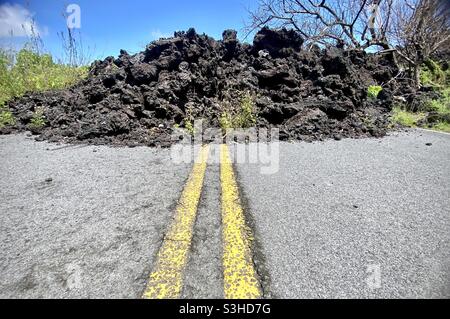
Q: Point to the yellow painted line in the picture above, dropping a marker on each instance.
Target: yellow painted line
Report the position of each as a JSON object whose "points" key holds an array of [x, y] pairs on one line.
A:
{"points": [[166, 280], [240, 278]]}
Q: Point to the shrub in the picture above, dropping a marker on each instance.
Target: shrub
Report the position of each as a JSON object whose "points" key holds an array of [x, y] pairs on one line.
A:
{"points": [[442, 104], [28, 71], [373, 91], [431, 74], [226, 120], [6, 118], [240, 116], [246, 117], [38, 119]]}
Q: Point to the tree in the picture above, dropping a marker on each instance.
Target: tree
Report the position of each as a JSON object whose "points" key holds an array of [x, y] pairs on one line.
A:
{"points": [[352, 23], [421, 30], [412, 30]]}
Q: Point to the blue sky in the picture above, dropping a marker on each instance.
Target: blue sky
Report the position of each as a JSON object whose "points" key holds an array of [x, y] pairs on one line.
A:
{"points": [[108, 26]]}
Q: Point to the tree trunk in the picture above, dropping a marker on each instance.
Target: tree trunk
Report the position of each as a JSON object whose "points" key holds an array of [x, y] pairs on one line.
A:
{"points": [[417, 76]]}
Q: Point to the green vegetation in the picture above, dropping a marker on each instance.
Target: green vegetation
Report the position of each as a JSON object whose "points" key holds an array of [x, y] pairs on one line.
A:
{"points": [[442, 126], [415, 119], [38, 119], [190, 127], [373, 91], [6, 118], [434, 113], [30, 71], [440, 106], [240, 116], [189, 121], [406, 118], [431, 74]]}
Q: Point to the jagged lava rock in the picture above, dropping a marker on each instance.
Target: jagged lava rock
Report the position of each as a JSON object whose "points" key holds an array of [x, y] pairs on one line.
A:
{"points": [[138, 99]]}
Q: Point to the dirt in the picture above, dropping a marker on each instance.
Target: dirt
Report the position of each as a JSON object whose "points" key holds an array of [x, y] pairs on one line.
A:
{"points": [[139, 99]]}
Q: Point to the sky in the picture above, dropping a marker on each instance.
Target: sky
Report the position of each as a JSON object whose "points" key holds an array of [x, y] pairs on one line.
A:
{"points": [[108, 26]]}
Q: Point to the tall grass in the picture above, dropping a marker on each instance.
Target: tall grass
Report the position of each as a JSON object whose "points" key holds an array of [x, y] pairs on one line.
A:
{"points": [[28, 71], [31, 69]]}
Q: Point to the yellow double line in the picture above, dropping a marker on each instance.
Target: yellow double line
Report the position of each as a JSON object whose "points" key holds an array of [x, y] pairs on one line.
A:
{"points": [[240, 279]]}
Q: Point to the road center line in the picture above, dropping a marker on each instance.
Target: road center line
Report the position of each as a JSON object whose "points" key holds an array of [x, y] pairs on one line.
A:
{"points": [[240, 278], [166, 280]]}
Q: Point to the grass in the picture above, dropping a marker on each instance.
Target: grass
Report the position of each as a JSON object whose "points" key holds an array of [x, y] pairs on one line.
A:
{"points": [[406, 118], [242, 115], [441, 126], [30, 71], [439, 79], [412, 119]]}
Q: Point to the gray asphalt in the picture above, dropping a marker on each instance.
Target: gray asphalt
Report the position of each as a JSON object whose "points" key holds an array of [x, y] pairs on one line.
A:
{"points": [[356, 218], [87, 221], [203, 275], [92, 231]]}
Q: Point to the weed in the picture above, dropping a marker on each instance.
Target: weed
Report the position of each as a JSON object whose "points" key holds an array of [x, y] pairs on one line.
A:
{"points": [[441, 126], [373, 91], [246, 117], [432, 74], [6, 118], [189, 121], [226, 120], [406, 118], [436, 77], [189, 127], [38, 119], [28, 71], [240, 116]]}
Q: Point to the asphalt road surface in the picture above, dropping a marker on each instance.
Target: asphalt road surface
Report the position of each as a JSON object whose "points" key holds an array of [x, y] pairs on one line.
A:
{"points": [[339, 213], [365, 218]]}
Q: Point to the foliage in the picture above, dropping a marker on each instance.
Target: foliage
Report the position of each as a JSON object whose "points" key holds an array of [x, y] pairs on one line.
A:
{"points": [[6, 118], [189, 121], [441, 105], [373, 91], [239, 116], [442, 126], [431, 74], [434, 113], [38, 119], [28, 71], [406, 118]]}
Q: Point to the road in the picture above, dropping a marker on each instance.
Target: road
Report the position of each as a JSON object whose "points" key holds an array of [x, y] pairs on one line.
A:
{"points": [[366, 218]]}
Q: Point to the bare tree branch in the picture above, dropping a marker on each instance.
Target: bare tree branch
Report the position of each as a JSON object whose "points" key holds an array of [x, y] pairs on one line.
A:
{"points": [[413, 30]]}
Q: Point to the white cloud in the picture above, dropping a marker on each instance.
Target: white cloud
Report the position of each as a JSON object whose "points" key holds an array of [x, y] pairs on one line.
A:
{"points": [[17, 21], [157, 34]]}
